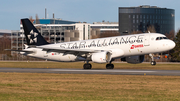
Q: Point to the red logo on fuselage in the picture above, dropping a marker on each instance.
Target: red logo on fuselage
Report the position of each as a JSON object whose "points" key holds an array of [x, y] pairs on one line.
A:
{"points": [[137, 46]]}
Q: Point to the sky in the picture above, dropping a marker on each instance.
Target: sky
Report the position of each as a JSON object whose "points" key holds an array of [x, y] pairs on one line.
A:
{"points": [[74, 10]]}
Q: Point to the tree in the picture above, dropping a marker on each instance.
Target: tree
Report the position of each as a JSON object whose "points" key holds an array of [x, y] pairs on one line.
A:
{"points": [[170, 35], [5, 43], [136, 32], [151, 29], [176, 51], [109, 34], [31, 19], [37, 19]]}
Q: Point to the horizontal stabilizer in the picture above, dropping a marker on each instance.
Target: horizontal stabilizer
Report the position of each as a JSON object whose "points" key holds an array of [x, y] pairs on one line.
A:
{"points": [[29, 51]]}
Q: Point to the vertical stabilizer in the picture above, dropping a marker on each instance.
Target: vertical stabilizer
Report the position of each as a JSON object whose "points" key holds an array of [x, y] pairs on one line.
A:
{"points": [[33, 37]]}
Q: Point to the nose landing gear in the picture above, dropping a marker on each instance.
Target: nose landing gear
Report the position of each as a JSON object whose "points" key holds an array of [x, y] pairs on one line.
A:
{"points": [[152, 60], [153, 63]]}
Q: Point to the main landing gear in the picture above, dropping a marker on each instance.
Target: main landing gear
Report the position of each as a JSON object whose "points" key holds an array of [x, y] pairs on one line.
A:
{"points": [[152, 60], [87, 65], [110, 66]]}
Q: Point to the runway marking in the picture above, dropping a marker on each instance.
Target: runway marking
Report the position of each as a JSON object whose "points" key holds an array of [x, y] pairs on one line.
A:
{"points": [[70, 70]]}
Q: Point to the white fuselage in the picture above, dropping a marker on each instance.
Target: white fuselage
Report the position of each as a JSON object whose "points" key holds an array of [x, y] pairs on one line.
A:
{"points": [[119, 46]]}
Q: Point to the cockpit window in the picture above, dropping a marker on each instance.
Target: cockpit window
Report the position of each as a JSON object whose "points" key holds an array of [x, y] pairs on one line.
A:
{"points": [[160, 38], [157, 38]]}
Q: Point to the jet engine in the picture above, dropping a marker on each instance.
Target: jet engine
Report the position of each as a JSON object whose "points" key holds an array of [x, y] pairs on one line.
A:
{"points": [[133, 59], [101, 57]]}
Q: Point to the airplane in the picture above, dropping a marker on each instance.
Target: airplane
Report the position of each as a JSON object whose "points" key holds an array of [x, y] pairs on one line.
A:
{"points": [[130, 48]]}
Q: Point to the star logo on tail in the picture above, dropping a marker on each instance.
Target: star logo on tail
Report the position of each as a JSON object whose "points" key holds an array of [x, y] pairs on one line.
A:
{"points": [[32, 37]]}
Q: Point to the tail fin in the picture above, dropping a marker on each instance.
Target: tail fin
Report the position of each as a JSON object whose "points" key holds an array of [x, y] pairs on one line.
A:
{"points": [[33, 37]]}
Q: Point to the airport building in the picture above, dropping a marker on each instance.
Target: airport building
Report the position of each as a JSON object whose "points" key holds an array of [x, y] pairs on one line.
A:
{"points": [[140, 18]]}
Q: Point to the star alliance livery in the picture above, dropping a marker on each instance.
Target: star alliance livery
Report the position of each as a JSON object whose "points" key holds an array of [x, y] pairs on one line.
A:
{"points": [[130, 48]]}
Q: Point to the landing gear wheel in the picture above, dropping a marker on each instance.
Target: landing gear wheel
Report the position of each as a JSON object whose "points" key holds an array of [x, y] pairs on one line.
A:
{"points": [[153, 63], [87, 66], [109, 66], [152, 60]]}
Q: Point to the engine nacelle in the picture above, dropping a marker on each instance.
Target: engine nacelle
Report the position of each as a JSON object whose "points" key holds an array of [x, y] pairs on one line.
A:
{"points": [[134, 59], [101, 57]]}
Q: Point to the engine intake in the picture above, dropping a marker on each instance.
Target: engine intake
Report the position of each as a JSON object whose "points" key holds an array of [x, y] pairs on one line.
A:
{"points": [[133, 59]]}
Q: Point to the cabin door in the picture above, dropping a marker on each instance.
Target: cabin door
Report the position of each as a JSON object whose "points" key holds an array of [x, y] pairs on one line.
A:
{"points": [[146, 40]]}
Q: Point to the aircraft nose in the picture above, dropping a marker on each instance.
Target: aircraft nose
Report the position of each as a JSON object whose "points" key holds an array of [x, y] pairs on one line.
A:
{"points": [[172, 44]]}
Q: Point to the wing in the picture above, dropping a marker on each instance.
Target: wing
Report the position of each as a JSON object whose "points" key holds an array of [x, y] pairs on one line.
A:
{"points": [[70, 51], [115, 53]]}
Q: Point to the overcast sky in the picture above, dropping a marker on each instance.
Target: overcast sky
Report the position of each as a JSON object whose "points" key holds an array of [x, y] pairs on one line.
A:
{"points": [[74, 10]]}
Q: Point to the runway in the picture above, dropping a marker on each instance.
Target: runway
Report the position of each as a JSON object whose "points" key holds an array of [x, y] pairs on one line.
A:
{"points": [[94, 71]]}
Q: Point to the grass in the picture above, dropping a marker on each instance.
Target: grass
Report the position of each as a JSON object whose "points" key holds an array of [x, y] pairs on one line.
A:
{"points": [[65, 87], [94, 65], [69, 87]]}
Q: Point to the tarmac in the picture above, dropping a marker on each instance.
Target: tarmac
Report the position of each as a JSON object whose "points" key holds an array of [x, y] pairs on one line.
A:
{"points": [[94, 71]]}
